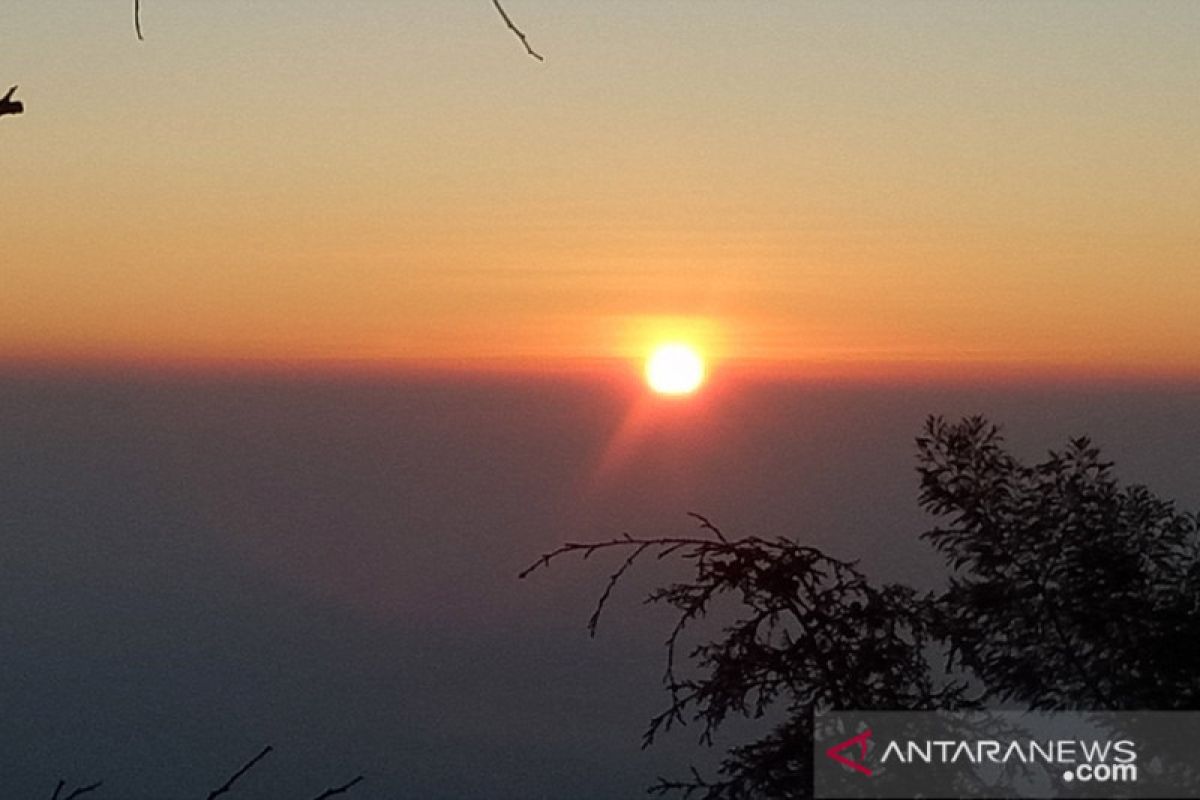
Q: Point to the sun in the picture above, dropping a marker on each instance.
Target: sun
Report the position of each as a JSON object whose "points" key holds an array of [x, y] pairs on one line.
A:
{"points": [[675, 369]]}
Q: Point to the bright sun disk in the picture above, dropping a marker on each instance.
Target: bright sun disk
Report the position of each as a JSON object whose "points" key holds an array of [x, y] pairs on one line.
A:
{"points": [[674, 369]]}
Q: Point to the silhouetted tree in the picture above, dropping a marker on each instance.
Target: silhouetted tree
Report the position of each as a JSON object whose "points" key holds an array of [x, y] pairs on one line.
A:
{"points": [[1065, 591]]}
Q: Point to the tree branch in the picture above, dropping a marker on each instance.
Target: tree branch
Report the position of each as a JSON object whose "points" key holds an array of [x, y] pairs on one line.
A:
{"points": [[666, 545], [137, 29], [10, 106], [338, 790], [82, 790], [245, 768], [516, 31]]}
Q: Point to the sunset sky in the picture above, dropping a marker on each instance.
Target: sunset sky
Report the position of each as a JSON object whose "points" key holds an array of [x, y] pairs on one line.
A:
{"points": [[321, 321], [891, 186]]}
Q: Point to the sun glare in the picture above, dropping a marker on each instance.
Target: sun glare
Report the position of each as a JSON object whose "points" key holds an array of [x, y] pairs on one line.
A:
{"points": [[675, 369]]}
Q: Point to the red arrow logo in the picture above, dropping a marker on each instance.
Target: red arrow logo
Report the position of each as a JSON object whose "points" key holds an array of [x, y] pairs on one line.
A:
{"points": [[861, 740]]}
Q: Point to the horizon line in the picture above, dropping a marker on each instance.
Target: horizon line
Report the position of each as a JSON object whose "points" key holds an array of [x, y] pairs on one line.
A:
{"points": [[900, 372]]}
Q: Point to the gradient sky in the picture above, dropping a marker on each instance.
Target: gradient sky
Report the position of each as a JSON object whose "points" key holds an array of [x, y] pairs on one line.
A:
{"points": [[833, 183]]}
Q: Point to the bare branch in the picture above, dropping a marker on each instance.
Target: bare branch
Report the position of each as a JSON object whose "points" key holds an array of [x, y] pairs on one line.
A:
{"points": [[707, 525], [586, 549], [692, 547], [137, 29], [84, 790], [10, 106], [245, 768], [612, 582], [516, 31], [338, 790], [58, 789], [665, 545]]}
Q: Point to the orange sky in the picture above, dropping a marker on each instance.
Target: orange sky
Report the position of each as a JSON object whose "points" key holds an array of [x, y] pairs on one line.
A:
{"points": [[809, 186]]}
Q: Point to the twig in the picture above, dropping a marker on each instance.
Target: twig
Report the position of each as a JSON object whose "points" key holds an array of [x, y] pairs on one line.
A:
{"points": [[707, 525], [245, 768], [612, 582], [338, 790], [516, 31], [10, 106], [137, 27], [58, 789], [82, 790], [665, 545], [586, 549]]}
